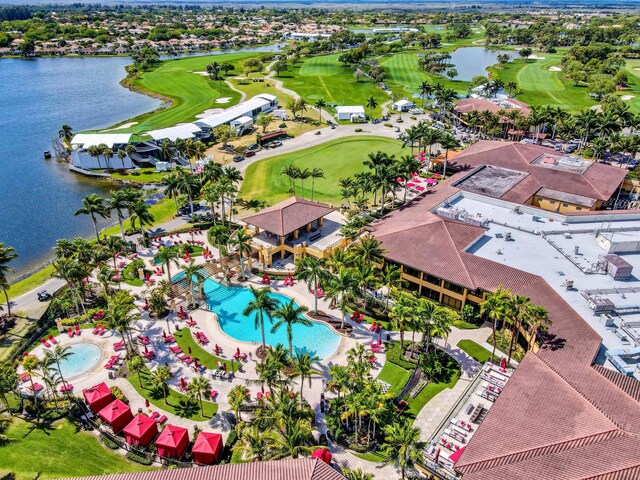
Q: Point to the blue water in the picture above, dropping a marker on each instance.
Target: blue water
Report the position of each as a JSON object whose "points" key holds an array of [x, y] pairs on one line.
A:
{"points": [[473, 61], [229, 302], [84, 357]]}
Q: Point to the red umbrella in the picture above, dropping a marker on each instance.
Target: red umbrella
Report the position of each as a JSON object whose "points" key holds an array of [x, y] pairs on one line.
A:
{"points": [[503, 363], [437, 455], [323, 454], [224, 367], [164, 335], [146, 403], [238, 351]]}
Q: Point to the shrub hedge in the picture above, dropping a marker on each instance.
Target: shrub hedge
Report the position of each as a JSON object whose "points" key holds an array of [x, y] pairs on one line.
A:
{"points": [[138, 459]]}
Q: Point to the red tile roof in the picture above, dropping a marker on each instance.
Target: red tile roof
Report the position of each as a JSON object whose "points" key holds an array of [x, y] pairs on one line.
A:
{"points": [[482, 104], [297, 469], [287, 216]]}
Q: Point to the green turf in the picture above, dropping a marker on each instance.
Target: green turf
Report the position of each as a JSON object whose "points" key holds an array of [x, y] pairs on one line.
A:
{"points": [[338, 158], [174, 399], [395, 376], [541, 86], [184, 339], [633, 69], [478, 352], [57, 451], [448, 379], [190, 92], [142, 175], [323, 77]]}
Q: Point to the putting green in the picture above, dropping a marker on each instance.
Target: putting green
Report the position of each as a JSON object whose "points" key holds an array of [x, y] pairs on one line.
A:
{"points": [[338, 159]]}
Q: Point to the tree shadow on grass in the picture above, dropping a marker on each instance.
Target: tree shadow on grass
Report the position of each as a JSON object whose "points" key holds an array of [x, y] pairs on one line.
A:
{"points": [[43, 426]]}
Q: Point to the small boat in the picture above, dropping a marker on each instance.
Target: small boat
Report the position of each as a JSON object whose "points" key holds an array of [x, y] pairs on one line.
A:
{"points": [[47, 154]]}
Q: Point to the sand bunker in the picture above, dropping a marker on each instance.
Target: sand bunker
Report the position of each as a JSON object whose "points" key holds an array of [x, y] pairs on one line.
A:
{"points": [[535, 57], [126, 125], [555, 69], [204, 74], [223, 100], [627, 97]]}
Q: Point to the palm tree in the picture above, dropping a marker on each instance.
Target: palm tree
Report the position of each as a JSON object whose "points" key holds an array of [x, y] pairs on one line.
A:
{"points": [[303, 175], [65, 133], [70, 271], [167, 151], [401, 315], [219, 235], [189, 185], [121, 156], [448, 142], [140, 212], [311, 270], [315, 173], [121, 313], [368, 248], [254, 444], [289, 315], [55, 356], [94, 205], [119, 202], [166, 256], [292, 172], [402, 445], [391, 277], [341, 289], [263, 305], [426, 89], [159, 378], [6, 255], [192, 273], [172, 188], [371, 104], [303, 363], [8, 381], [320, 104], [30, 365], [358, 474], [495, 307], [538, 320], [241, 241], [237, 397], [519, 306], [136, 365], [294, 439], [198, 387]]}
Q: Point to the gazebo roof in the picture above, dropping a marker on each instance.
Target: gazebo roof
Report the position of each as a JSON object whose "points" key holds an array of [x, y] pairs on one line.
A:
{"points": [[116, 409], [96, 393], [287, 216], [139, 426], [172, 436], [207, 442]]}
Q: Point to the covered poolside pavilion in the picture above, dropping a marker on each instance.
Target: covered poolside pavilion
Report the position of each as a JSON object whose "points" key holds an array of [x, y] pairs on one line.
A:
{"points": [[172, 441], [141, 430], [117, 414]]}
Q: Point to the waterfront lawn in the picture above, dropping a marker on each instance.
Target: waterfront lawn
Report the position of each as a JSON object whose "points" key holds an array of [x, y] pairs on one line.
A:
{"points": [[190, 93], [324, 77], [58, 450], [162, 212], [475, 351], [142, 175], [540, 86], [404, 76], [175, 400], [185, 339], [338, 158], [31, 282]]}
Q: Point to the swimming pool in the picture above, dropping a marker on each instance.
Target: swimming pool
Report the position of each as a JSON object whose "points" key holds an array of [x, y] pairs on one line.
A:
{"points": [[229, 302], [84, 357]]}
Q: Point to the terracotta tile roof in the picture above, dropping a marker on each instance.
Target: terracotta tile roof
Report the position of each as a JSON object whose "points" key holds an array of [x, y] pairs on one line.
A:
{"points": [[598, 181], [482, 104], [287, 216], [297, 469]]}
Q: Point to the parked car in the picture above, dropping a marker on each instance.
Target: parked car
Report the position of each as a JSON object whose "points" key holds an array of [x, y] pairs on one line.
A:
{"points": [[238, 158], [275, 144], [570, 148], [249, 153], [43, 295], [253, 147]]}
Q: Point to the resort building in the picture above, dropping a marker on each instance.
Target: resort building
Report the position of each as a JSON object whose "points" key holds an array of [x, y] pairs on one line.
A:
{"points": [[263, 103], [294, 228], [537, 176], [354, 113], [494, 105], [403, 105], [291, 469], [182, 131], [81, 146]]}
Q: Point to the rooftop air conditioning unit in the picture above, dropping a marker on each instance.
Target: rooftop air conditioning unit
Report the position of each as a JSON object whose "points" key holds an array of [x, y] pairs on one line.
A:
{"points": [[507, 236]]}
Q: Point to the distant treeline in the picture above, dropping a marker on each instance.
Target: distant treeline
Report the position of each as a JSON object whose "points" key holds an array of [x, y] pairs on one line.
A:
{"points": [[15, 13]]}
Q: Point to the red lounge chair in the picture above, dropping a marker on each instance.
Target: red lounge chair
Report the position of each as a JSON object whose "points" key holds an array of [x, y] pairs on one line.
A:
{"points": [[259, 395], [373, 326], [213, 394], [104, 327], [176, 349], [188, 360], [108, 365], [23, 377], [182, 357], [77, 329], [52, 339], [44, 342], [162, 419], [154, 415], [36, 387], [203, 338], [70, 332], [96, 330]]}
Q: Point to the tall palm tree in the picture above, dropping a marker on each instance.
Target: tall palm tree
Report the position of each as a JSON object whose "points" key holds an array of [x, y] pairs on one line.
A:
{"points": [[303, 175], [70, 271], [31, 364], [538, 320], [219, 235], [320, 104], [448, 142], [6, 255], [315, 173], [495, 307], [294, 439], [140, 213], [391, 277], [237, 397], [119, 202], [369, 249], [263, 306], [199, 386], [519, 306], [241, 241], [192, 273], [136, 365], [167, 151], [94, 205], [172, 188], [159, 378], [56, 355], [166, 256], [311, 270], [114, 245], [65, 133], [402, 445], [371, 104], [425, 89], [8, 381], [254, 445], [303, 363], [341, 289], [121, 314], [189, 185], [289, 315]]}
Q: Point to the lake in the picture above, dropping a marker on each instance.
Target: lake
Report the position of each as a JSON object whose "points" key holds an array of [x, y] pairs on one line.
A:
{"points": [[39, 197], [473, 61]]}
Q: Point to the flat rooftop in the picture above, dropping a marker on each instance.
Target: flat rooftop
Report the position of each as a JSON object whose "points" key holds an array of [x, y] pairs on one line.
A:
{"points": [[561, 249], [491, 180], [565, 163]]}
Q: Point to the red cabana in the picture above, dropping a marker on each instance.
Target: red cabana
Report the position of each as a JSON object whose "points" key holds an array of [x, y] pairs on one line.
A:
{"points": [[323, 454], [207, 448], [455, 456], [97, 397], [117, 414], [140, 430], [172, 441]]}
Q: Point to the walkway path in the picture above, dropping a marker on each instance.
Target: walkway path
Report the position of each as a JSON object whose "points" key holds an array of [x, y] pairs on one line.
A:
{"points": [[243, 95]]}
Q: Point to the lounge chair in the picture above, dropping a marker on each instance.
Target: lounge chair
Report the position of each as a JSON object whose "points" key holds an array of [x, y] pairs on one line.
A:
{"points": [[23, 377], [161, 419], [154, 415], [96, 330], [70, 332], [188, 360], [77, 329], [213, 394], [52, 339], [44, 342], [183, 357], [176, 349], [36, 387], [102, 329]]}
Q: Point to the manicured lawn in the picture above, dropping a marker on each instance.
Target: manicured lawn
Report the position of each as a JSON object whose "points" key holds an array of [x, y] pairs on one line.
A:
{"points": [[31, 282], [142, 175], [163, 211], [338, 158], [174, 399], [57, 451], [433, 388], [405, 76], [191, 93], [474, 350], [370, 457], [633, 69], [252, 89], [185, 339], [323, 77], [541, 86], [395, 376]]}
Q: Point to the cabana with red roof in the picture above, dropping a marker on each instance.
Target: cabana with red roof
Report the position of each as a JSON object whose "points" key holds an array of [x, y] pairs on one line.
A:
{"points": [[172, 441], [97, 397], [207, 448], [117, 414], [322, 454], [140, 430]]}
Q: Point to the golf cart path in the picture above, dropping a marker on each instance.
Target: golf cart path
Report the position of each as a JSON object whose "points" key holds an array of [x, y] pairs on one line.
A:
{"points": [[243, 95]]}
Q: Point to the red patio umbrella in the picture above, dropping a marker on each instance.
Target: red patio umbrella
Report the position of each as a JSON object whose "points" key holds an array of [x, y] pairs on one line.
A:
{"points": [[146, 402], [323, 454], [503, 363]]}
